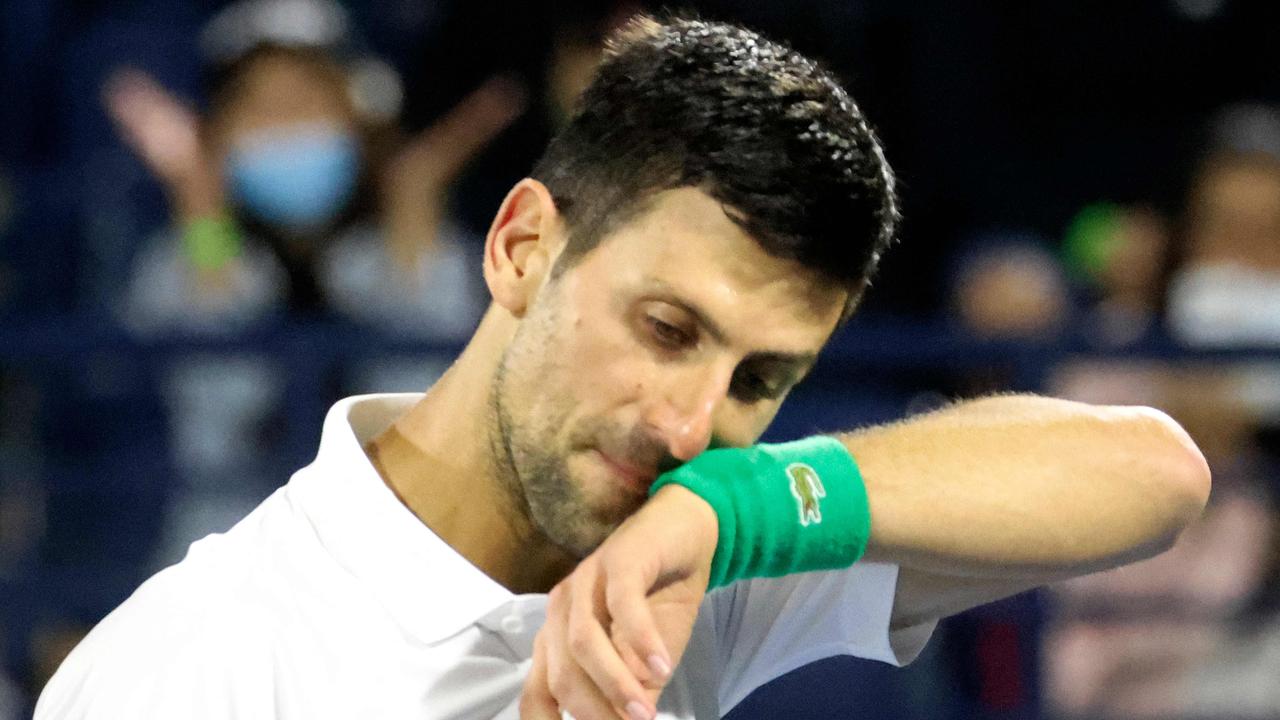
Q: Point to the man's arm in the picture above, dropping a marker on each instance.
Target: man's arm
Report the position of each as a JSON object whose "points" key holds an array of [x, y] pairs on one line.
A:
{"points": [[990, 497], [974, 503]]}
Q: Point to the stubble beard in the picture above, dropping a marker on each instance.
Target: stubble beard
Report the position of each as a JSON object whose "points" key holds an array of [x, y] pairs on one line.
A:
{"points": [[535, 478]]}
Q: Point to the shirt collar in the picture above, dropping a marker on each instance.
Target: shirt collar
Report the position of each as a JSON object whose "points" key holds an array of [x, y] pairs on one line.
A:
{"points": [[432, 591]]}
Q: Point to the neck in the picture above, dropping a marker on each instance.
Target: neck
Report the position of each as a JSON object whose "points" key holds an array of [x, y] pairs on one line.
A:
{"points": [[444, 461]]}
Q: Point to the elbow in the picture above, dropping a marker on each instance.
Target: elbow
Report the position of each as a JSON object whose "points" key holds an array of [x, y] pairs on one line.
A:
{"points": [[1179, 474]]}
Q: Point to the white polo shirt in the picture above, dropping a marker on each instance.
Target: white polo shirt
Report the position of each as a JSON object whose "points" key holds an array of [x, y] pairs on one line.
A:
{"points": [[332, 600]]}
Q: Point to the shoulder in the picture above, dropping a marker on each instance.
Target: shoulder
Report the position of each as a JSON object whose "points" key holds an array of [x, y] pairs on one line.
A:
{"points": [[164, 652], [198, 639]]}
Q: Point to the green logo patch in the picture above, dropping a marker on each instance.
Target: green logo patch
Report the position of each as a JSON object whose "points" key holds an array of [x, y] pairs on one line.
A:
{"points": [[807, 488]]}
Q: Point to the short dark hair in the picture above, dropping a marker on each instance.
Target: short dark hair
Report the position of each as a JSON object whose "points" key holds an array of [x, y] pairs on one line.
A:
{"points": [[756, 125]]}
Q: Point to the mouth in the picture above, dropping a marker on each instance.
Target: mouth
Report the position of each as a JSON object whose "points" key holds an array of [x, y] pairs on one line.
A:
{"points": [[631, 476]]}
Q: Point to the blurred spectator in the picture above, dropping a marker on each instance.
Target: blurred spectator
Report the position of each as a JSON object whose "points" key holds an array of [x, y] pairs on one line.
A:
{"points": [[1007, 290], [1227, 291], [1180, 635], [1119, 254], [1212, 278], [288, 194], [291, 195], [1151, 641], [1185, 633], [1011, 287]]}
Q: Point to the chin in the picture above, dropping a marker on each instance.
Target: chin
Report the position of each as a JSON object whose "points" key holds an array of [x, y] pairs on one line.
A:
{"points": [[579, 520], [603, 514], [580, 541]]}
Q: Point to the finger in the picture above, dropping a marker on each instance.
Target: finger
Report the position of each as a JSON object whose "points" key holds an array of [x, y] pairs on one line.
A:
{"points": [[594, 652], [634, 631], [573, 689], [123, 84], [131, 94], [153, 121], [127, 106], [536, 702]]}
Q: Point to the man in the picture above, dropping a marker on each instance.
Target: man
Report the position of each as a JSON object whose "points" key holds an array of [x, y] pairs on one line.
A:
{"points": [[681, 254]]}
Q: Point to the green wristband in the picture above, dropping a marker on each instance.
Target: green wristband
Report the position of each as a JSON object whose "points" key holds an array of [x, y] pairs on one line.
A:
{"points": [[211, 242], [783, 508]]}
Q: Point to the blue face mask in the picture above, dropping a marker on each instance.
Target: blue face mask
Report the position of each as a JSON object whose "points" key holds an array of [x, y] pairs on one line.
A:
{"points": [[298, 178]]}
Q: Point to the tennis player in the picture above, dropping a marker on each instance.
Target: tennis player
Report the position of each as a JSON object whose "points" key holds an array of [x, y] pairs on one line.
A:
{"points": [[576, 518]]}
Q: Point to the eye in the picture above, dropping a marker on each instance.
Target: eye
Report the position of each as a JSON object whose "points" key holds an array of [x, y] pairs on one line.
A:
{"points": [[751, 387], [666, 334]]}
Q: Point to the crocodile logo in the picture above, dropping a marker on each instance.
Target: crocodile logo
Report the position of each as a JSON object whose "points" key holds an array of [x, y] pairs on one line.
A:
{"points": [[807, 488]]}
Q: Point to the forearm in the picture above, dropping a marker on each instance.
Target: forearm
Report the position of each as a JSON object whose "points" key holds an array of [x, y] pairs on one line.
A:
{"points": [[197, 198], [1024, 487], [411, 221]]}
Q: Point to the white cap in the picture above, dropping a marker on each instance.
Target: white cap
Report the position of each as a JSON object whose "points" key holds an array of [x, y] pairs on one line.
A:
{"points": [[374, 86], [242, 26]]}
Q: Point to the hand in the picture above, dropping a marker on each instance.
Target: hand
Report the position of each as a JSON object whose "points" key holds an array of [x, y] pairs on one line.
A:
{"points": [[432, 159], [620, 622], [415, 183], [165, 133]]}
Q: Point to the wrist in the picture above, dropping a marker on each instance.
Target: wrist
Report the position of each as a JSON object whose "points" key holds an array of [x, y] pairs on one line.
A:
{"points": [[196, 194], [211, 242], [690, 510], [780, 508]]}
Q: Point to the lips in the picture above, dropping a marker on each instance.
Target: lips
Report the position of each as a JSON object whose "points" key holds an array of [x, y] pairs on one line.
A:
{"points": [[634, 476]]}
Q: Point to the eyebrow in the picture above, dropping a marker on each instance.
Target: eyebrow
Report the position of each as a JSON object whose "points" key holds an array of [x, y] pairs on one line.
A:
{"points": [[803, 362]]}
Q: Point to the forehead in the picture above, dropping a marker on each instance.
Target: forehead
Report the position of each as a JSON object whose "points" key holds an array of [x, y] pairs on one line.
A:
{"points": [[1263, 178], [683, 246], [281, 88]]}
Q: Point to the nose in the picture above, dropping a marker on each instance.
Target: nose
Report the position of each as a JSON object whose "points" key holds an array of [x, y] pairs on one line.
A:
{"points": [[684, 415]]}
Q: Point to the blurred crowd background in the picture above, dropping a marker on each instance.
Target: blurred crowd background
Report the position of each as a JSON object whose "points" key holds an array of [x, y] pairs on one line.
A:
{"points": [[217, 218]]}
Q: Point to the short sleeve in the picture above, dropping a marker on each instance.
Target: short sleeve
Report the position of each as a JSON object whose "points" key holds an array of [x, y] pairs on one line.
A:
{"points": [[767, 627]]}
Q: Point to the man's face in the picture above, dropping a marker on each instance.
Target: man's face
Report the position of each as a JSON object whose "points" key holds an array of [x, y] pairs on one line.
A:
{"points": [[676, 332]]}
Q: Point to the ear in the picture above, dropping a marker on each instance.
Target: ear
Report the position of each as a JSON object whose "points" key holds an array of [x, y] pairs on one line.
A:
{"points": [[525, 238]]}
